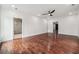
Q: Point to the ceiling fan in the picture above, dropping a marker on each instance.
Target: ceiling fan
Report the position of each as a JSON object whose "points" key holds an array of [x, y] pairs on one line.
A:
{"points": [[49, 12]]}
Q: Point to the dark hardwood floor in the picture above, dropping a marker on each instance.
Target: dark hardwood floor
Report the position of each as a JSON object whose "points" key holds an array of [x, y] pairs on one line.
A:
{"points": [[45, 43]]}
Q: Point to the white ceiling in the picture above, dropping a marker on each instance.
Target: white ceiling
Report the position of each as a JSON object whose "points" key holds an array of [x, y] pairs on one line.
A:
{"points": [[38, 9]]}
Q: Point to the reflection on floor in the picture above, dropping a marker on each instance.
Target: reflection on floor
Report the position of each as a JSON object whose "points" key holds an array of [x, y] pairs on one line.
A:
{"points": [[42, 44], [17, 36]]}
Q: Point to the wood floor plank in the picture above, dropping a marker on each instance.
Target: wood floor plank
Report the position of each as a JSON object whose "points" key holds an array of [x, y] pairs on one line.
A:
{"points": [[45, 43]]}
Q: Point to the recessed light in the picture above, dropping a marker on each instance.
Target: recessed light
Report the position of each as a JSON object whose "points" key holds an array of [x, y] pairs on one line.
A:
{"points": [[12, 5]]}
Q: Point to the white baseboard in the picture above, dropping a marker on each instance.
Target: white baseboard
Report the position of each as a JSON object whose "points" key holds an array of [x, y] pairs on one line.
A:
{"points": [[69, 34], [33, 34]]}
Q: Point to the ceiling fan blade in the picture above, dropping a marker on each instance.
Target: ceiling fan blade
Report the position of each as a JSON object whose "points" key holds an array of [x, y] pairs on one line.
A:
{"points": [[52, 11], [49, 13], [45, 14]]}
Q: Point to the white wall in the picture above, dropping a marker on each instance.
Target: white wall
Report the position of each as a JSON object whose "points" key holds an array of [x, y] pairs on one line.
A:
{"points": [[78, 24], [0, 20], [67, 25], [0, 23], [33, 25], [6, 24]]}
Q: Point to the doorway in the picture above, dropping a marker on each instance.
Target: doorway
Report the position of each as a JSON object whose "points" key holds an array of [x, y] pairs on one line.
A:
{"points": [[55, 27], [17, 28], [55, 30]]}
